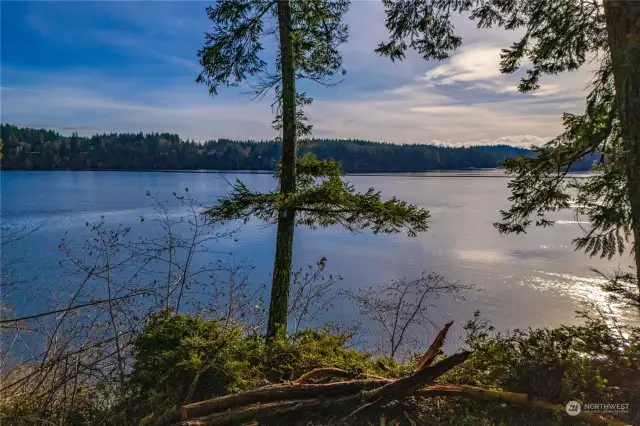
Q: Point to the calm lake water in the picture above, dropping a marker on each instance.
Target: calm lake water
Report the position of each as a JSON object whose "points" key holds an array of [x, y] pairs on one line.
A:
{"points": [[533, 280]]}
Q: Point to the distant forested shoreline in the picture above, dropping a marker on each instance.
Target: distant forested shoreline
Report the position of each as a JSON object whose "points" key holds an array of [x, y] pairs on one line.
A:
{"points": [[42, 149]]}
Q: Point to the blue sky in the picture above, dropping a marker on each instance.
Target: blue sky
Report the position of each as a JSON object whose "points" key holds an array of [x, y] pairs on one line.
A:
{"points": [[119, 66]]}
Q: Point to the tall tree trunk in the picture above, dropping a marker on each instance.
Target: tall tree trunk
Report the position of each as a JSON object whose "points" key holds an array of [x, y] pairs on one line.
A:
{"points": [[623, 28], [286, 219]]}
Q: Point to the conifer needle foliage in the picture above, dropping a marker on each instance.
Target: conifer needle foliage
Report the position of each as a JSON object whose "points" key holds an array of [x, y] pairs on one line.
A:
{"points": [[322, 199], [557, 36]]}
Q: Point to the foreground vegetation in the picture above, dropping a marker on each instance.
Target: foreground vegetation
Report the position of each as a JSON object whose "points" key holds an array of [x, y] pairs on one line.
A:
{"points": [[178, 359]]}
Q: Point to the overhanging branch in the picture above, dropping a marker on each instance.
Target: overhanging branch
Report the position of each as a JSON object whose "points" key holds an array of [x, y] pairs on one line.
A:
{"points": [[323, 199]]}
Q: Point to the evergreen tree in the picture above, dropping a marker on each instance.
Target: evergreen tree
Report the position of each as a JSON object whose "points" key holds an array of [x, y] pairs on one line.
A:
{"points": [[559, 35], [311, 191]]}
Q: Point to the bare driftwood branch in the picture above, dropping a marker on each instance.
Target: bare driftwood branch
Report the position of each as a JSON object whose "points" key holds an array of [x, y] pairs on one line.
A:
{"points": [[273, 393], [257, 411], [336, 398], [272, 402], [322, 373], [319, 373], [434, 350]]}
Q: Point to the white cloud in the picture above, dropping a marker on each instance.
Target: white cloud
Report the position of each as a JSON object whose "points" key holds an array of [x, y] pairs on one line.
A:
{"points": [[477, 66], [548, 90], [471, 63], [543, 90]]}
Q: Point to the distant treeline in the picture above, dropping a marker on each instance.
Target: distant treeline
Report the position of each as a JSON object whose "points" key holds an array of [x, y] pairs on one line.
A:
{"points": [[41, 149]]}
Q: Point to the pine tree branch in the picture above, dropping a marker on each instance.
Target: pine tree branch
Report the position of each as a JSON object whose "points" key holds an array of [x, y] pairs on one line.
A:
{"points": [[331, 201]]}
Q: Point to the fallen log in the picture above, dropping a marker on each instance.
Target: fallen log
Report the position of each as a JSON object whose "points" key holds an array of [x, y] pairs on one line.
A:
{"points": [[274, 393], [289, 403], [279, 409], [256, 412]]}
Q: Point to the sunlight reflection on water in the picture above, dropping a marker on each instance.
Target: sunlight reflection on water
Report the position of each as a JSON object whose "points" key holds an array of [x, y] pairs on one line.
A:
{"points": [[585, 289]]}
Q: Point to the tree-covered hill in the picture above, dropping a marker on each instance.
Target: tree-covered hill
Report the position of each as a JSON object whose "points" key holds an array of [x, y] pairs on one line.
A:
{"points": [[42, 149]]}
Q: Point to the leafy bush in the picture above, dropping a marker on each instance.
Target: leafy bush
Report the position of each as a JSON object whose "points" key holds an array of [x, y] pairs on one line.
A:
{"points": [[594, 362], [181, 358], [288, 359], [586, 362]]}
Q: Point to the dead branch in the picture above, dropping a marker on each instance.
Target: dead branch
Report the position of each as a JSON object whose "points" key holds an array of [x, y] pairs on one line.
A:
{"points": [[263, 412], [273, 393], [407, 385], [319, 373], [434, 350], [71, 308], [334, 398], [276, 401]]}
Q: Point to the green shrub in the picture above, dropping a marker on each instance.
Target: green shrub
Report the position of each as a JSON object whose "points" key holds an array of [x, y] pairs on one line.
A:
{"points": [[182, 358], [593, 362], [288, 359]]}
